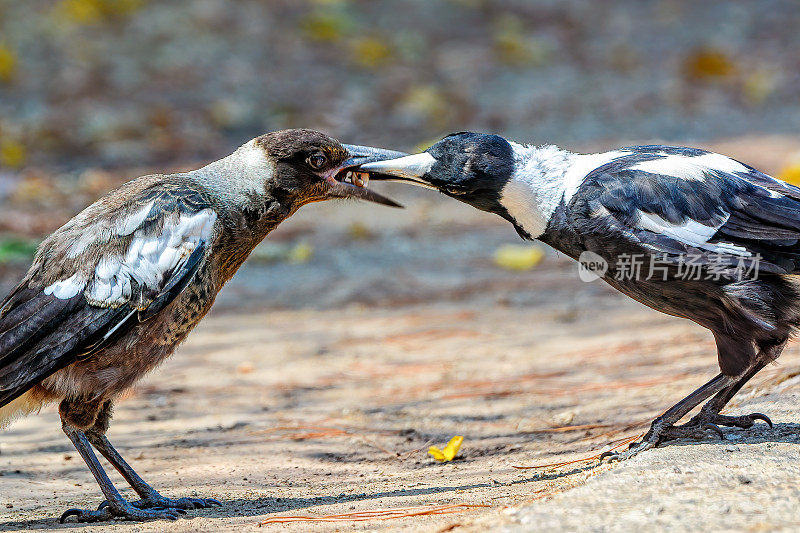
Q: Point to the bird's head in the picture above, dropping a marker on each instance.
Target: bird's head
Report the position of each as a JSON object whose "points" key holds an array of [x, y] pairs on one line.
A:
{"points": [[471, 167], [311, 166], [294, 167]]}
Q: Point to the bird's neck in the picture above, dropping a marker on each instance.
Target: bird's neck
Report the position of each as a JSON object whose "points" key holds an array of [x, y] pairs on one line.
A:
{"points": [[536, 187], [242, 187], [236, 179]]}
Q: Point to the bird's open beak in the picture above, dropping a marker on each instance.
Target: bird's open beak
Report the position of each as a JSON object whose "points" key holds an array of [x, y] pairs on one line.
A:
{"points": [[347, 181], [412, 169]]}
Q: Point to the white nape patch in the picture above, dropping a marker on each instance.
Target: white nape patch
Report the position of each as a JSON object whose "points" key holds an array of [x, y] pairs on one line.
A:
{"points": [[543, 177], [690, 232], [131, 223], [149, 258], [254, 157], [690, 167], [234, 178], [66, 288]]}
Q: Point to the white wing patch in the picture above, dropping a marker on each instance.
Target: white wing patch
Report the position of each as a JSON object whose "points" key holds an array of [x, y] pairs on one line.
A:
{"points": [[690, 232], [690, 167], [583, 165], [148, 260], [720, 162], [66, 288]]}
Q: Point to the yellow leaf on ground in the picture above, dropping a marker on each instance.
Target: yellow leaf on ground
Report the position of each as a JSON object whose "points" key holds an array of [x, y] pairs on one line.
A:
{"points": [[708, 63], [449, 451], [371, 52], [8, 64], [520, 258], [12, 153], [301, 253]]}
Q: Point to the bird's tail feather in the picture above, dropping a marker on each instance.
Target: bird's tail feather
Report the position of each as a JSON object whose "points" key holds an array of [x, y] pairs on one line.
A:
{"points": [[21, 406]]}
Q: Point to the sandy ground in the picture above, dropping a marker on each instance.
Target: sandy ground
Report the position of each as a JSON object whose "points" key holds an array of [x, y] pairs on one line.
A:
{"points": [[316, 389], [331, 411]]}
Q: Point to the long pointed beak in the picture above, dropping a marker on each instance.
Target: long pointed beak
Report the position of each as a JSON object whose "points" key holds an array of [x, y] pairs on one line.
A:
{"points": [[411, 168], [359, 155]]}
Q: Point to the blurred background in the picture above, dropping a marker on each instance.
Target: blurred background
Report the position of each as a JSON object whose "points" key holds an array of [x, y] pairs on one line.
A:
{"points": [[96, 92], [413, 325]]}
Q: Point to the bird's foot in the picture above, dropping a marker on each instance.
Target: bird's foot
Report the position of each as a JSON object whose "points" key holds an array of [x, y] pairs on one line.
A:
{"points": [[157, 501], [742, 421], [124, 511], [698, 427]]}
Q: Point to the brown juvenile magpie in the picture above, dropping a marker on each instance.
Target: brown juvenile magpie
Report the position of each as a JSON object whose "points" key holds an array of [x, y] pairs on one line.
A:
{"points": [[112, 292], [722, 236]]}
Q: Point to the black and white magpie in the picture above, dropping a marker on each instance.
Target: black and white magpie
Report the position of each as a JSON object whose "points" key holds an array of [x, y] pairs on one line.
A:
{"points": [[115, 290], [723, 235]]}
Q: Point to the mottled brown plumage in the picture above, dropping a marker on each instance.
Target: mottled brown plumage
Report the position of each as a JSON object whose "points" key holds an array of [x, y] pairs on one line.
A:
{"points": [[112, 292]]}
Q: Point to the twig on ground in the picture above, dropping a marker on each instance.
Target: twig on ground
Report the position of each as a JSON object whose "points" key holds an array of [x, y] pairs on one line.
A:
{"points": [[626, 440], [377, 514]]}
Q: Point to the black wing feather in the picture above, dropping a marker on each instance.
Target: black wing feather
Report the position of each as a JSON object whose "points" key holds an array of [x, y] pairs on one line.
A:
{"points": [[41, 334], [739, 203]]}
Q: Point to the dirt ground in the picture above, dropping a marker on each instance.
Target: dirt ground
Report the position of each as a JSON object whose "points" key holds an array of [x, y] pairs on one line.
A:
{"points": [[316, 388]]}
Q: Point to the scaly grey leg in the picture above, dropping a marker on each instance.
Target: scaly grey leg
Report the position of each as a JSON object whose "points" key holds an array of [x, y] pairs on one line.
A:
{"points": [[117, 506]]}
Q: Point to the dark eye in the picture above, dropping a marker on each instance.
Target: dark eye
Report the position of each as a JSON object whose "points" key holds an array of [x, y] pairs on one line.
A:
{"points": [[317, 161]]}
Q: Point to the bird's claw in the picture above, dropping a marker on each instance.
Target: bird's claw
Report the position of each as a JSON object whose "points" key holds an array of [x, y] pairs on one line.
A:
{"points": [[743, 421], [126, 511], [761, 416], [611, 455], [715, 428], [85, 515], [633, 449]]}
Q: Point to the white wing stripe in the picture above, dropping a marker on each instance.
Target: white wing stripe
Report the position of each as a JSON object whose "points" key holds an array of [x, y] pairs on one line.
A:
{"points": [[691, 232]]}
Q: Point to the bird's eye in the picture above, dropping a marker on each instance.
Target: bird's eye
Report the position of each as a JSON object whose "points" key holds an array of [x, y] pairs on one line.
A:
{"points": [[317, 161]]}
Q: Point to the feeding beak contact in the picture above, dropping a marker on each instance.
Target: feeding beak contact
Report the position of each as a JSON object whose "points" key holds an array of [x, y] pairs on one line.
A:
{"points": [[409, 168], [346, 180]]}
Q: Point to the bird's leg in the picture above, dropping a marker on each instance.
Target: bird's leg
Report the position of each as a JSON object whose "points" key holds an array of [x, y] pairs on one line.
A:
{"points": [[150, 497], [664, 428], [710, 413], [117, 506]]}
